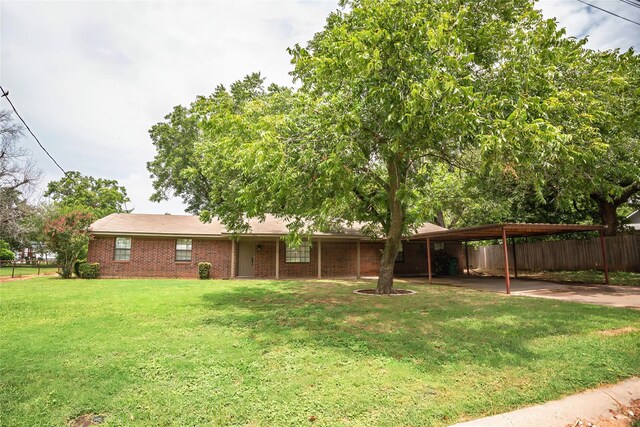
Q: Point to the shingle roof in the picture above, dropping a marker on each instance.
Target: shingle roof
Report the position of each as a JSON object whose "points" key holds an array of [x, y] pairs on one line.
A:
{"points": [[188, 225]]}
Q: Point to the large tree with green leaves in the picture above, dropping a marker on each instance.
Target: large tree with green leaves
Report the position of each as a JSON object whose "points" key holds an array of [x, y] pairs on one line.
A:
{"points": [[100, 196], [392, 92]]}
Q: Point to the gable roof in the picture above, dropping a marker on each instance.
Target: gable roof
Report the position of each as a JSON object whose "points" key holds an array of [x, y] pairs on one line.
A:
{"points": [[191, 226]]}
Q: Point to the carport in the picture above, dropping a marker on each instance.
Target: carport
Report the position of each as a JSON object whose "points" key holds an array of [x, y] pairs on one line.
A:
{"points": [[503, 232]]}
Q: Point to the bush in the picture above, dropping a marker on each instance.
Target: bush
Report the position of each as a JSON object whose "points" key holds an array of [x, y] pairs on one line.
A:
{"points": [[76, 267], [203, 269], [89, 270], [6, 254]]}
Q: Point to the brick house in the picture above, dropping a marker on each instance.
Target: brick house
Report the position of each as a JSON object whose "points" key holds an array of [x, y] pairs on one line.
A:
{"points": [[142, 245]]}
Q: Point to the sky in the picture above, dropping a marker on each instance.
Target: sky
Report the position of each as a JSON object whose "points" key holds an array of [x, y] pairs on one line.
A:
{"points": [[91, 77]]}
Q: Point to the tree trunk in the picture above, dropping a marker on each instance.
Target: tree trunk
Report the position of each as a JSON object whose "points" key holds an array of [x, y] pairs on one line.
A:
{"points": [[608, 216], [394, 234]]}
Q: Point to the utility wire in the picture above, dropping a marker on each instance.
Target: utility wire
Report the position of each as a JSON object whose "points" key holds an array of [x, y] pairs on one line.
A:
{"points": [[609, 12], [631, 3], [6, 95]]}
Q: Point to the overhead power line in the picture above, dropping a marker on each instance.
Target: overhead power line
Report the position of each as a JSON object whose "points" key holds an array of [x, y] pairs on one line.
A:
{"points": [[6, 95], [610, 13], [631, 3]]}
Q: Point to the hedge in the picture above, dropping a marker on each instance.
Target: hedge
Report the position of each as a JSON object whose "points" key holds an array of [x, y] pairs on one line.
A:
{"points": [[203, 269], [89, 270]]}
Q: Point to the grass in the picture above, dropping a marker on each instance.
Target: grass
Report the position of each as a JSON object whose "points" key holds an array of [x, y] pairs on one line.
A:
{"points": [[264, 353], [20, 270], [620, 278]]}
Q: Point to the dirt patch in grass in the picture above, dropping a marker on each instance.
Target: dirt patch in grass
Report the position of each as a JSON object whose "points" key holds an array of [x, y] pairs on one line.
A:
{"points": [[87, 420], [618, 331], [394, 292]]}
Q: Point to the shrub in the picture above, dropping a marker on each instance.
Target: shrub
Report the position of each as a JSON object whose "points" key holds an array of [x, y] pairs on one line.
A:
{"points": [[76, 267], [6, 254], [203, 269], [89, 270]]}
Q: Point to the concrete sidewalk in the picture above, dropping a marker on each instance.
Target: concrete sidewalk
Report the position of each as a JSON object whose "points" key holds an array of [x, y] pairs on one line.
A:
{"points": [[612, 296], [607, 406]]}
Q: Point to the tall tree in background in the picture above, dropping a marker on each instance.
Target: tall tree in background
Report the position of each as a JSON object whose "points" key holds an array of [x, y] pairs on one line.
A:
{"points": [[100, 196], [18, 175], [394, 93], [603, 172]]}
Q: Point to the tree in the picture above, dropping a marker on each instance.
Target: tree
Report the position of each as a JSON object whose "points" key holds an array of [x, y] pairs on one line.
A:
{"points": [[66, 232], [18, 176], [605, 173], [100, 196], [391, 93], [591, 170], [6, 254]]}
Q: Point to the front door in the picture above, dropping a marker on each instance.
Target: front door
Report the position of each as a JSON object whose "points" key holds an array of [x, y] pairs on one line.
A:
{"points": [[246, 259]]}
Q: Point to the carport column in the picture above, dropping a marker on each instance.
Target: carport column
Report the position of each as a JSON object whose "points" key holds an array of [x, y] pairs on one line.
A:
{"points": [[605, 264], [319, 259], [278, 258], [233, 258], [358, 258], [515, 260], [506, 260], [429, 258], [466, 255]]}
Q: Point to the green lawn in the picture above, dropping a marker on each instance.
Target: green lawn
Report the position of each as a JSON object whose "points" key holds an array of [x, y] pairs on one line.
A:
{"points": [[265, 353], [25, 271]]}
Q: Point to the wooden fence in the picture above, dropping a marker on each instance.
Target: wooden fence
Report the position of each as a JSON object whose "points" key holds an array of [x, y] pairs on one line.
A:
{"points": [[623, 254]]}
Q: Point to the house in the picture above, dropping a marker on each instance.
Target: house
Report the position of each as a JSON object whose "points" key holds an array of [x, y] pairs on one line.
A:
{"points": [[143, 245], [633, 220]]}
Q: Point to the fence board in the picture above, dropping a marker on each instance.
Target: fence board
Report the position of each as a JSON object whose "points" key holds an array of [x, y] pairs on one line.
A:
{"points": [[623, 254]]}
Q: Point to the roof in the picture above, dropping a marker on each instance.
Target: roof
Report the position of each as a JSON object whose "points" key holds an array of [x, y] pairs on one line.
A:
{"points": [[494, 231], [189, 225]]}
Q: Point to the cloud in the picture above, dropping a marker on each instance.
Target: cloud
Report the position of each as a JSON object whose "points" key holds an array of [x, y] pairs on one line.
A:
{"points": [[92, 77]]}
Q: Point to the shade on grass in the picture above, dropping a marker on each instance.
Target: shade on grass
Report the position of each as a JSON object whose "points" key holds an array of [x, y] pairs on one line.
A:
{"points": [[181, 352]]}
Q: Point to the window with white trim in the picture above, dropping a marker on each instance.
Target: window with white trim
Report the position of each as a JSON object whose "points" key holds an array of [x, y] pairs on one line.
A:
{"points": [[122, 250], [183, 249], [300, 254]]}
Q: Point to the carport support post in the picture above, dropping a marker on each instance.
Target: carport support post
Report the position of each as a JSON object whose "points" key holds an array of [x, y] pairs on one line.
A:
{"points": [[515, 263], [429, 258], [605, 264], [466, 255], [319, 259], [278, 258], [233, 258], [506, 260], [358, 259]]}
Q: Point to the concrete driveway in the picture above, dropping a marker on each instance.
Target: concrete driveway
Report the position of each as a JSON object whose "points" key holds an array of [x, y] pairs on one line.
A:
{"points": [[612, 296]]}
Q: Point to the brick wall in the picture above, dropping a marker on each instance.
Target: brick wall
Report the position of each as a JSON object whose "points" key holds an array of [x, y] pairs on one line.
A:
{"points": [[415, 259], [155, 257], [266, 259], [339, 259], [370, 256]]}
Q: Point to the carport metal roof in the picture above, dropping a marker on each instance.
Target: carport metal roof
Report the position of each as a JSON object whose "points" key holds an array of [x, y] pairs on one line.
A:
{"points": [[494, 231], [504, 231]]}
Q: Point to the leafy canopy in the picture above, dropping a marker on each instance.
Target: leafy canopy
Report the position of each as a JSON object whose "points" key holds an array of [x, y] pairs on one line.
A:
{"points": [[98, 195]]}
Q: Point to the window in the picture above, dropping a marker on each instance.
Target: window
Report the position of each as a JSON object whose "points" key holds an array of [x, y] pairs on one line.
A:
{"points": [[123, 249], [400, 256], [183, 250], [438, 246], [300, 254]]}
